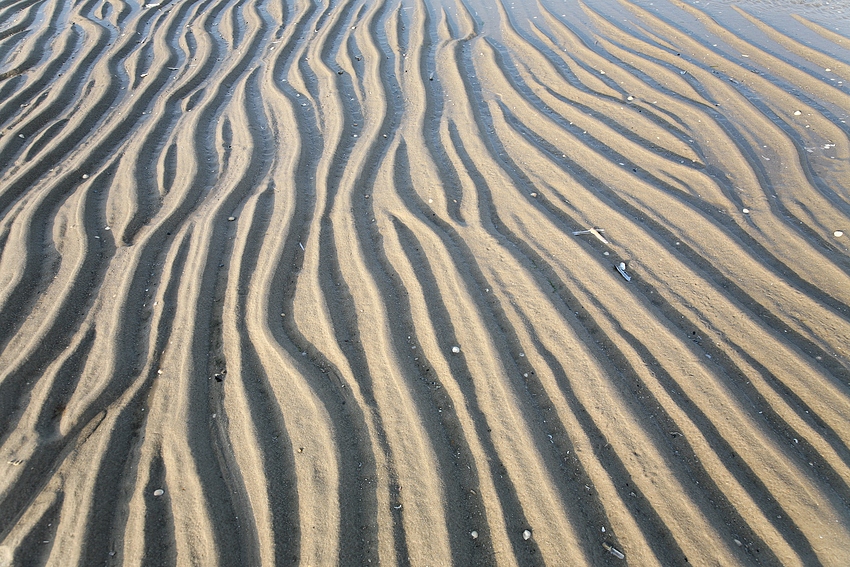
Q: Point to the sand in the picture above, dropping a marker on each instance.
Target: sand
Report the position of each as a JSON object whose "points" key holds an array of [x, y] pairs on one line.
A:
{"points": [[290, 282]]}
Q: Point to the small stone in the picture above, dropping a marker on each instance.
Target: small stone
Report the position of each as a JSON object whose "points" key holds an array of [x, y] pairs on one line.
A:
{"points": [[838, 233], [828, 70], [21, 136], [85, 176], [622, 265], [797, 113], [630, 97], [534, 194], [231, 219], [456, 349], [158, 492], [526, 535], [745, 211], [473, 534]]}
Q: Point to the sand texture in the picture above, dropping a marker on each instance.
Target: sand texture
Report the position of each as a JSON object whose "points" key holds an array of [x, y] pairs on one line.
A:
{"points": [[298, 282]]}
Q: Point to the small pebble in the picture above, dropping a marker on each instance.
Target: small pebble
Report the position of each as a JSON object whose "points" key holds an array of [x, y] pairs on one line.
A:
{"points": [[474, 534], [231, 219], [797, 113], [85, 176], [745, 211], [158, 492], [456, 349], [630, 97], [526, 535], [838, 233]]}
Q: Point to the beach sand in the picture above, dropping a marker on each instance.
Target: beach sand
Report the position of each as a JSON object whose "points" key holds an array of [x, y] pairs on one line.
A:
{"points": [[296, 282]]}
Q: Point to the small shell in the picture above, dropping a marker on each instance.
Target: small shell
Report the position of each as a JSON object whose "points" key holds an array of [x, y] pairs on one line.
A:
{"points": [[158, 492], [526, 535], [838, 233], [456, 349], [473, 534]]}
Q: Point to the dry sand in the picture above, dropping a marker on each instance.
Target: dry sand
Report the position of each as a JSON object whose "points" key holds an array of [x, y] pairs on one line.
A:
{"points": [[288, 282]]}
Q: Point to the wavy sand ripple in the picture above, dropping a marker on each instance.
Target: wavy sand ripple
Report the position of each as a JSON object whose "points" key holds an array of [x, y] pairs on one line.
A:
{"points": [[298, 282]]}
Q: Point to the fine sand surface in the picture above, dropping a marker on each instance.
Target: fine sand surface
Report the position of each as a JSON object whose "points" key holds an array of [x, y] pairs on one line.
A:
{"points": [[296, 282]]}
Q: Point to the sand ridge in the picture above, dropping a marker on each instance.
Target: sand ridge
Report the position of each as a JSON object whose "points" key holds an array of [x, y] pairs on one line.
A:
{"points": [[313, 283]]}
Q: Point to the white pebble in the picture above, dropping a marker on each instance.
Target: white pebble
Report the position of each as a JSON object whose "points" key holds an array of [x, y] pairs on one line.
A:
{"points": [[797, 113], [158, 492], [630, 97], [231, 219], [745, 211], [456, 349], [838, 233], [85, 176], [526, 535], [622, 265], [473, 534]]}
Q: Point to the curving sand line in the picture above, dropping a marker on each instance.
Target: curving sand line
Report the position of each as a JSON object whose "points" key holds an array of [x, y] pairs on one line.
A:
{"points": [[312, 283]]}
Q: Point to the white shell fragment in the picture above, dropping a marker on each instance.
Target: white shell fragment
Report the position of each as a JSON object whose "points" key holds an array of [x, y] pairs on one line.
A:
{"points": [[456, 349], [158, 492], [473, 534], [526, 535], [797, 113], [745, 211], [231, 219], [838, 233]]}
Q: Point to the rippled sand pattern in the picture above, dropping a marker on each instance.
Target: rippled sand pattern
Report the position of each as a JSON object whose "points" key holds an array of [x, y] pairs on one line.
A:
{"points": [[290, 282]]}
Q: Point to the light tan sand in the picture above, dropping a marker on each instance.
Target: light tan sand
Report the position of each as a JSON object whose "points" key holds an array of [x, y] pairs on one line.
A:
{"points": [[290, 282]]}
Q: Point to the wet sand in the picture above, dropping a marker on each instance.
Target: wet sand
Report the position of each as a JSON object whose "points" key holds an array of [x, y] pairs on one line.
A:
{"points": [[307, 283]]}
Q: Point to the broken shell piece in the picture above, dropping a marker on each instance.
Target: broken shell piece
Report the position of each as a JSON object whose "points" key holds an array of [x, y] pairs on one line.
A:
{"points": [[526, 535], [797, 113], [158, 492], [473, 534], [613, 550], [456, 349], [231, 219], [838, 233], [745, 211]]}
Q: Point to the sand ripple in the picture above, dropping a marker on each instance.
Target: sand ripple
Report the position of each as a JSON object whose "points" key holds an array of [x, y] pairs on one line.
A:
{"points": [[297, 282]]}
